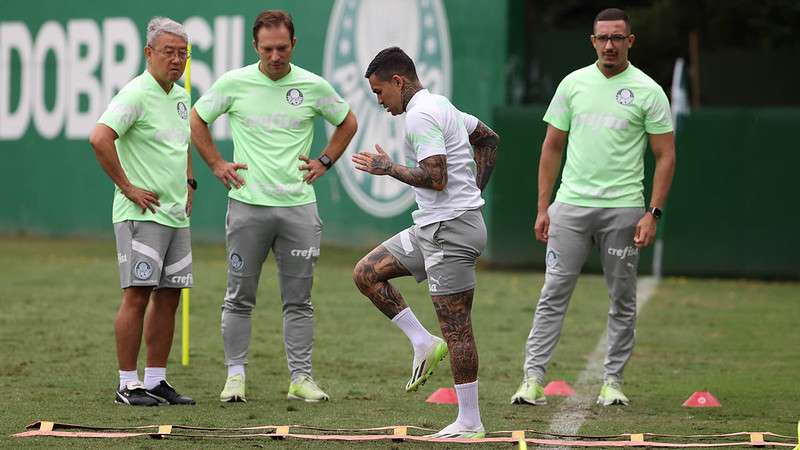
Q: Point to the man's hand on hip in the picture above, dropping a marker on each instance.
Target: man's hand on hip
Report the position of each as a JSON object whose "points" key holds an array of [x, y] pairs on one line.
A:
{"points": [[313, 167], [226, 173], [144, 199]]}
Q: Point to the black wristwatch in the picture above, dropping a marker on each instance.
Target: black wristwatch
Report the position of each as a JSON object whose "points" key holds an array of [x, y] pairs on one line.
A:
{"points": [[325, 160], [192, 183], [656, 212]]}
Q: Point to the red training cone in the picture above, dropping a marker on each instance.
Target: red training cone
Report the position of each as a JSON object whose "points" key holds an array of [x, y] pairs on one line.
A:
{"points": [[443, 395], [702, 399], [559, 387]]}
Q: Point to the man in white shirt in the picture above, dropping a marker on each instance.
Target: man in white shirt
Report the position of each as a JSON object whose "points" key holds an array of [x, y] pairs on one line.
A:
{"points": [[448, 233]]}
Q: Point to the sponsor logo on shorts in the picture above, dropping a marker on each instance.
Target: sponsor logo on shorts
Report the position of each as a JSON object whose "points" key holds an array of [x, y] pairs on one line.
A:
{"points": [[433, 283], [183, 280], [122, 258], [142, 270], [237, 263], [623, 252], [420, 28], [551, 259], [311, 252], [183, 113], [624, 96], [294, 97]]}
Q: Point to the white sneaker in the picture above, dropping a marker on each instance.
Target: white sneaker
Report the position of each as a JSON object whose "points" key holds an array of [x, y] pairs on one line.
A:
{"points": [[424, 365], [233, 390], [456, 430]]}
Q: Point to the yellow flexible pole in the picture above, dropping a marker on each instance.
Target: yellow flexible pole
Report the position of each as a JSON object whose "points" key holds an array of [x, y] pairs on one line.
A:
{"points": [[185, 291]]}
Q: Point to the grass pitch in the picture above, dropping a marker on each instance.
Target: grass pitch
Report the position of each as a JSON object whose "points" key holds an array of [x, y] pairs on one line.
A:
{"points": [[738, 339]]}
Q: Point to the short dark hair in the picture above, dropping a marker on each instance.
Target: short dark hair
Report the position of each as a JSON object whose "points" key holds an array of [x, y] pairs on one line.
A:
{"points": [[612, 14], [392, 61], [273, 19]]}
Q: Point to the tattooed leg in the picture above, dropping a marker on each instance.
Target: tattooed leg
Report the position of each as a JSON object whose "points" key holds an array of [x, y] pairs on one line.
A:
{"points": [[371, 276], [454, 318]]}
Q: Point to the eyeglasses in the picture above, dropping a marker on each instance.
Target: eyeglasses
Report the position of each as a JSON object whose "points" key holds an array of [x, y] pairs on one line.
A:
{"points": [[171, 52], [614, 38]]}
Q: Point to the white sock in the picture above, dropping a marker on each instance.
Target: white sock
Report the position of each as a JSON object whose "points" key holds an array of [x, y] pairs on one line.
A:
{"points": [[235, 369], [420, 339], [153, 376], [127, 375], [469, 414]]}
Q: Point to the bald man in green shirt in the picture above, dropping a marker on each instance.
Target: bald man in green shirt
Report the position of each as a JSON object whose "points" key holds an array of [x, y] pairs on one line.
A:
{"points": [[271, 106], [609, 110]]}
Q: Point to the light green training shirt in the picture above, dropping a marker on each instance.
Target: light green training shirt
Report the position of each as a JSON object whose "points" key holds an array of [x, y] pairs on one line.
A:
{"points": [[608, 120], [272, 123], [153, 143]]}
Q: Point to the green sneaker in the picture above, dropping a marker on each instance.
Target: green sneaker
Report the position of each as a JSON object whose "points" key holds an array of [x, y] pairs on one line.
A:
{"points": [[305, 389], [423, 368], [611, 394], [233, 390], [529, 393], [456, 431]]}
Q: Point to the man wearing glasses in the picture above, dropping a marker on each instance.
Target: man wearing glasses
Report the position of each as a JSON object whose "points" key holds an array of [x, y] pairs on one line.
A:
{"points": [[609, 110], [142, 143]]}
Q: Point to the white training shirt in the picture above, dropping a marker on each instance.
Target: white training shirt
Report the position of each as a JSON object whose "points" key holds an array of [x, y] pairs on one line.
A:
{"points": [[435, 127]]}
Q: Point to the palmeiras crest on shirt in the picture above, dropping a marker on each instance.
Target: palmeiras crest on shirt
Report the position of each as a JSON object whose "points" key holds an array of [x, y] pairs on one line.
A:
{"points": [[142, 270], [294, 97], [183, 113], [357, 31], [624, 96]]}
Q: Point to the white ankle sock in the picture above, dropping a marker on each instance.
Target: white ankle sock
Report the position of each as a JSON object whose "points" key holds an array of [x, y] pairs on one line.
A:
{"points": [[127, 375], [235, 369], [469, 414], [153, 376], [420, 338]]}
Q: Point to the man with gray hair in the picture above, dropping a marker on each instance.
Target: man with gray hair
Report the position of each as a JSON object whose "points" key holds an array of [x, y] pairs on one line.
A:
{"points": [[142, 143]]}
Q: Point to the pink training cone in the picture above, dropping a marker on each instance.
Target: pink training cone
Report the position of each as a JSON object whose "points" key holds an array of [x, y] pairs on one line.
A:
{"points": [[559, 387], [702, 399], [443, 395]]}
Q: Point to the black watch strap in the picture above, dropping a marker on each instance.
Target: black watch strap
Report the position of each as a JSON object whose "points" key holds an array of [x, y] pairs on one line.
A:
{"points": [[192, 183], [326, 161], [656, 212]]}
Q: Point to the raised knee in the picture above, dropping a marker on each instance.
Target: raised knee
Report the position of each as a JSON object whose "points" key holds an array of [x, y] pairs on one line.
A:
{"points": [[361, 276]]}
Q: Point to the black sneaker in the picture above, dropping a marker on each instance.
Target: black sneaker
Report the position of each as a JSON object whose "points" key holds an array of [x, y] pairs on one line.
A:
{"points": [[134, 394], [165, 393]]}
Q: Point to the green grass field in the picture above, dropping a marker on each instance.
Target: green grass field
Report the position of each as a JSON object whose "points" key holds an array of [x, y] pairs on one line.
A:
{"points": [[738, 339]]}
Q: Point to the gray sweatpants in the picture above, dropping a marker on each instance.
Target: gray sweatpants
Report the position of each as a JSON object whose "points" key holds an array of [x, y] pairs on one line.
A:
{"points": [[293, 234], [574, 230]]}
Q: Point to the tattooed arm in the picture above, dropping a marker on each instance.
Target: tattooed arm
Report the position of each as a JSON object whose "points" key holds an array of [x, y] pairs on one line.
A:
{"points": [[431, 173], [484, 142]]}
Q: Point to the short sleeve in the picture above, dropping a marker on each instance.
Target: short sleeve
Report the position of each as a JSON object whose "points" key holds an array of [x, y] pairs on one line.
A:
{"points": [[216, 101], [329, 104], [559, 113], [658, 117], [470, 122], [123, 111], [424, 135]]}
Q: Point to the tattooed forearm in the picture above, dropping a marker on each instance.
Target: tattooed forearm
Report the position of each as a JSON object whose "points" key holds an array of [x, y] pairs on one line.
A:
{"points": [[454, 319], [431, 173], [371, 275], [484, 141]]}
